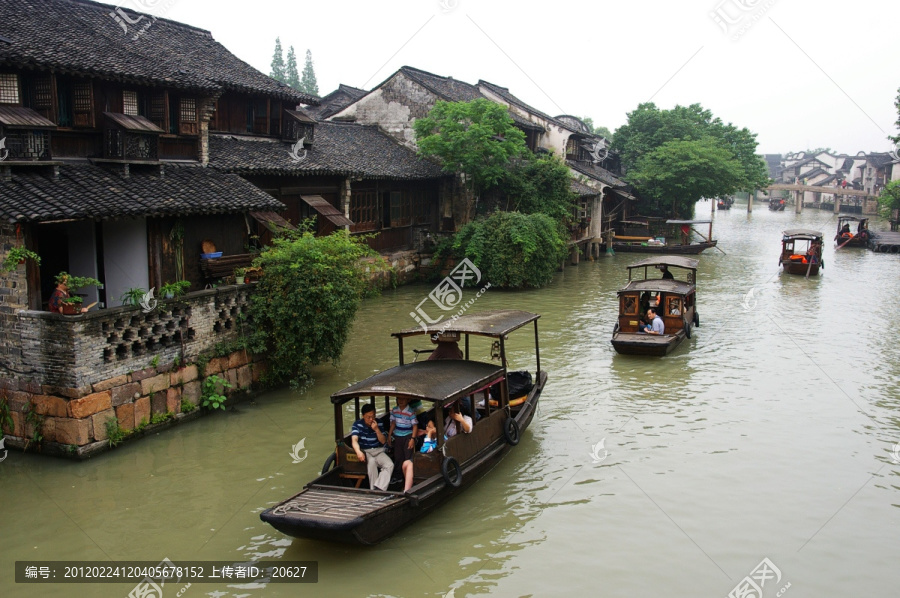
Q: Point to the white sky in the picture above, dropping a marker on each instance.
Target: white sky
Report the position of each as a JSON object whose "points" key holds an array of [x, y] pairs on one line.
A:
{"points": [[805, 74]]}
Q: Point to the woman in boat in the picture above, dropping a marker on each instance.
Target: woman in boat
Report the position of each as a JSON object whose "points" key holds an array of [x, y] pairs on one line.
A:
{"points": [[457, 422]]}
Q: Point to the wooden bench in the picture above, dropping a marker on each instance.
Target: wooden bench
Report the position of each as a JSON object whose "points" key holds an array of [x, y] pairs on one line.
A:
{"points": [[223, 267]]}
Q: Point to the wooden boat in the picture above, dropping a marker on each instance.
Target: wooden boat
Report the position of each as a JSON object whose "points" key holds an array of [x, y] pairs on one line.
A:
{"points": [[638, 244], [675, 300], [801, 251], [338, 504], [852, 231], [724, 203], [776, 204]]}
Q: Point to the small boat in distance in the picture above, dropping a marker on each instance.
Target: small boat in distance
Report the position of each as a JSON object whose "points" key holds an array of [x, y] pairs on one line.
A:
{"points": [[776, 204], [658, 245], [673, 300], [339, 506], [852, 231], [724, 203], [801, 251]]}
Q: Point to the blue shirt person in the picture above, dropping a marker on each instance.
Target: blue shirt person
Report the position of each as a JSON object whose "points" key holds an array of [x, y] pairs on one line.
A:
{"points": [[368, 440], [656, 325]]}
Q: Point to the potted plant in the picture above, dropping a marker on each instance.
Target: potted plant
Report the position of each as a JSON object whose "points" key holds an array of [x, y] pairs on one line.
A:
{"points": [[67, 303], [71, 305], [133, 296], [170, 290], [239, 274], [18, 255]]}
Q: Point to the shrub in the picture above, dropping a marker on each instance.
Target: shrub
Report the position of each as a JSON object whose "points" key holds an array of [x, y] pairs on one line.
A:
{"points": [[513, 250], [304, 305]]}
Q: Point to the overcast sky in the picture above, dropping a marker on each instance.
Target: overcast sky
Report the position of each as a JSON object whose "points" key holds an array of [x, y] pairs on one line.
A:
{"points": [[799, 73]]}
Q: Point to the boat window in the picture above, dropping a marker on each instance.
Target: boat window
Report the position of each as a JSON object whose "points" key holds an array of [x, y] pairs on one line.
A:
{"points": [[673, 306], [629, 305]]}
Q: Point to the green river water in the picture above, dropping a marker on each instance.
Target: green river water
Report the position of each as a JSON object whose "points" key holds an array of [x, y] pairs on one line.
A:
{"points": [[772, 434]]}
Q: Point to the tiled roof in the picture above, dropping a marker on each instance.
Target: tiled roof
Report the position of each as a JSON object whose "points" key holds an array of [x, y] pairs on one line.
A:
{"points": [[85, 38], [451, 90], [581, 189], [339, 148], [85, 191], [336, 101], [595, 172], [504, 93], [812, 173], [879, 159]]}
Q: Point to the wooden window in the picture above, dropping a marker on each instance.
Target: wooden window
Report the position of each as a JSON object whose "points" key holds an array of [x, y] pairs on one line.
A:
{"points": [[673, 306], [187, 116], [130, 103], [82, 104], [158, 109], [399, 208], [9, 89], [41, 98], [364, 210], [629, 305]]}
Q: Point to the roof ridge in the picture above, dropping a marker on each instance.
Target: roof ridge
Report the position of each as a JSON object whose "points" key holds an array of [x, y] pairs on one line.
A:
{"points": [[103, 6]]}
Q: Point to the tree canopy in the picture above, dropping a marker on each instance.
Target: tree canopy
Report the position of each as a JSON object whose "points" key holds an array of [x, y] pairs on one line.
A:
{"points": [[308, 82], [292, 76], [597, 130], [476, 138], [736, 167], [278, 70], [539, 184]]}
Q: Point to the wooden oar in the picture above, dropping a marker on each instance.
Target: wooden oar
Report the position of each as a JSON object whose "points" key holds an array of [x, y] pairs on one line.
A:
{"points": [[91, 305], [845, 242]]}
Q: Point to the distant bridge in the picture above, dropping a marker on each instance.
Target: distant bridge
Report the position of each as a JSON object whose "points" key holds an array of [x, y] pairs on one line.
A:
{"points": [[816, 188]]}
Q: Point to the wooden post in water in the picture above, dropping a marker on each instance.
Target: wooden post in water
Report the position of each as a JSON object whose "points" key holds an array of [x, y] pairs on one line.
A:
{"points": [[750, 197], [798, 204], [837, 203]]}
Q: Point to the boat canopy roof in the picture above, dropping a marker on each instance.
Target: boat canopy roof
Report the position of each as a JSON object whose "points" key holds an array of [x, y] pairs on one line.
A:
{"points": [[688, 221], [658, 284], [494, 323], [850, 217], [803, 233], [667, 260], [439, 380]]}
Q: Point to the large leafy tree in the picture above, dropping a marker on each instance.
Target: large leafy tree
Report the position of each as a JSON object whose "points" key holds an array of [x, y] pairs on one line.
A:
{"points": [[308, 82], [278, 71], [539, 184], [597, 130], [674, 175], [292, 75], [889, 199], [476, 138], [649, 128]]}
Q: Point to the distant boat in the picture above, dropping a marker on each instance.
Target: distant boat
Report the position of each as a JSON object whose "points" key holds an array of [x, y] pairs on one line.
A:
{"points": [[639, 244], [673, 300], [857, 237], [801, 251], [776, 204], [724, 203]]}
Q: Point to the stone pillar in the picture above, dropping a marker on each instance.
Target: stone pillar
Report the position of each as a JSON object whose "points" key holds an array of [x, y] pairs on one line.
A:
{"points": [[344, 199], [750, 197], [837, 203], [798, 204], [575, 255]]}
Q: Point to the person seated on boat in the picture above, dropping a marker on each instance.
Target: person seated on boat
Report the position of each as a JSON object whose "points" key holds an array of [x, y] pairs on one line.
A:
{"points": [[645, 302], [402, 434], [444, 349], [846, 229], [456, 422], [666, 275], [429, 443], [656, 325], [368, 440], [814, 252]]}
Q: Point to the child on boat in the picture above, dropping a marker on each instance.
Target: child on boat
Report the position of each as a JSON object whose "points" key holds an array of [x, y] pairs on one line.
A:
{"points": [[402, 434], [430, 441]]}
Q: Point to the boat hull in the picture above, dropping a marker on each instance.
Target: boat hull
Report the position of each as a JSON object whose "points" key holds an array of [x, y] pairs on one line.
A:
{"points": [[635, 343], [692, 249], [359, 522], [800, 268]]}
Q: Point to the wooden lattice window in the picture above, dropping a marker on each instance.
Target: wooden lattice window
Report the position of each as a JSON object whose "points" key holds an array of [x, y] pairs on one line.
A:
{"points": [[187, 116], [41, 94], [364, 210], [9, 88], [130, 103], [421, 206], [629, 305], [82, 104], [158, 109], [399, 206]]}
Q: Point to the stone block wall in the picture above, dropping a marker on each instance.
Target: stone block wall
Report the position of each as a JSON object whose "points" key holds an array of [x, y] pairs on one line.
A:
{"points": [[73, 421]]}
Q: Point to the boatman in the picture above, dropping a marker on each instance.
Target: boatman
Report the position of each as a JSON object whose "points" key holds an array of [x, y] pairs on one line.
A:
{"points": [[368, 442]]}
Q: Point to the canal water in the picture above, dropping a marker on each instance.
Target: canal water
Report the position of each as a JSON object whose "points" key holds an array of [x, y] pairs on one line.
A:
{"points": [[771, 434]]}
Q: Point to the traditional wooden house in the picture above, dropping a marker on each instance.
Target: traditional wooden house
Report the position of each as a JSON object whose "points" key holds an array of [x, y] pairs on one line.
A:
{"points": [[104, 147], [410, 93]]}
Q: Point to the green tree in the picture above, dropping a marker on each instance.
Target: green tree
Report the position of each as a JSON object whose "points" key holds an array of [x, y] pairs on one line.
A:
{"points": [[513, 250], [601, 130], [308, 82], [304, 305], [278, 72], [649, 128], [476, 138], [292, 76], [896, 139], [673, 176], [539, 184], [889, 200]]}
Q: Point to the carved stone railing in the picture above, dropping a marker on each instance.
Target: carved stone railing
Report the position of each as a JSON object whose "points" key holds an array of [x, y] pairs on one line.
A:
{"points": [[75, 351]]}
